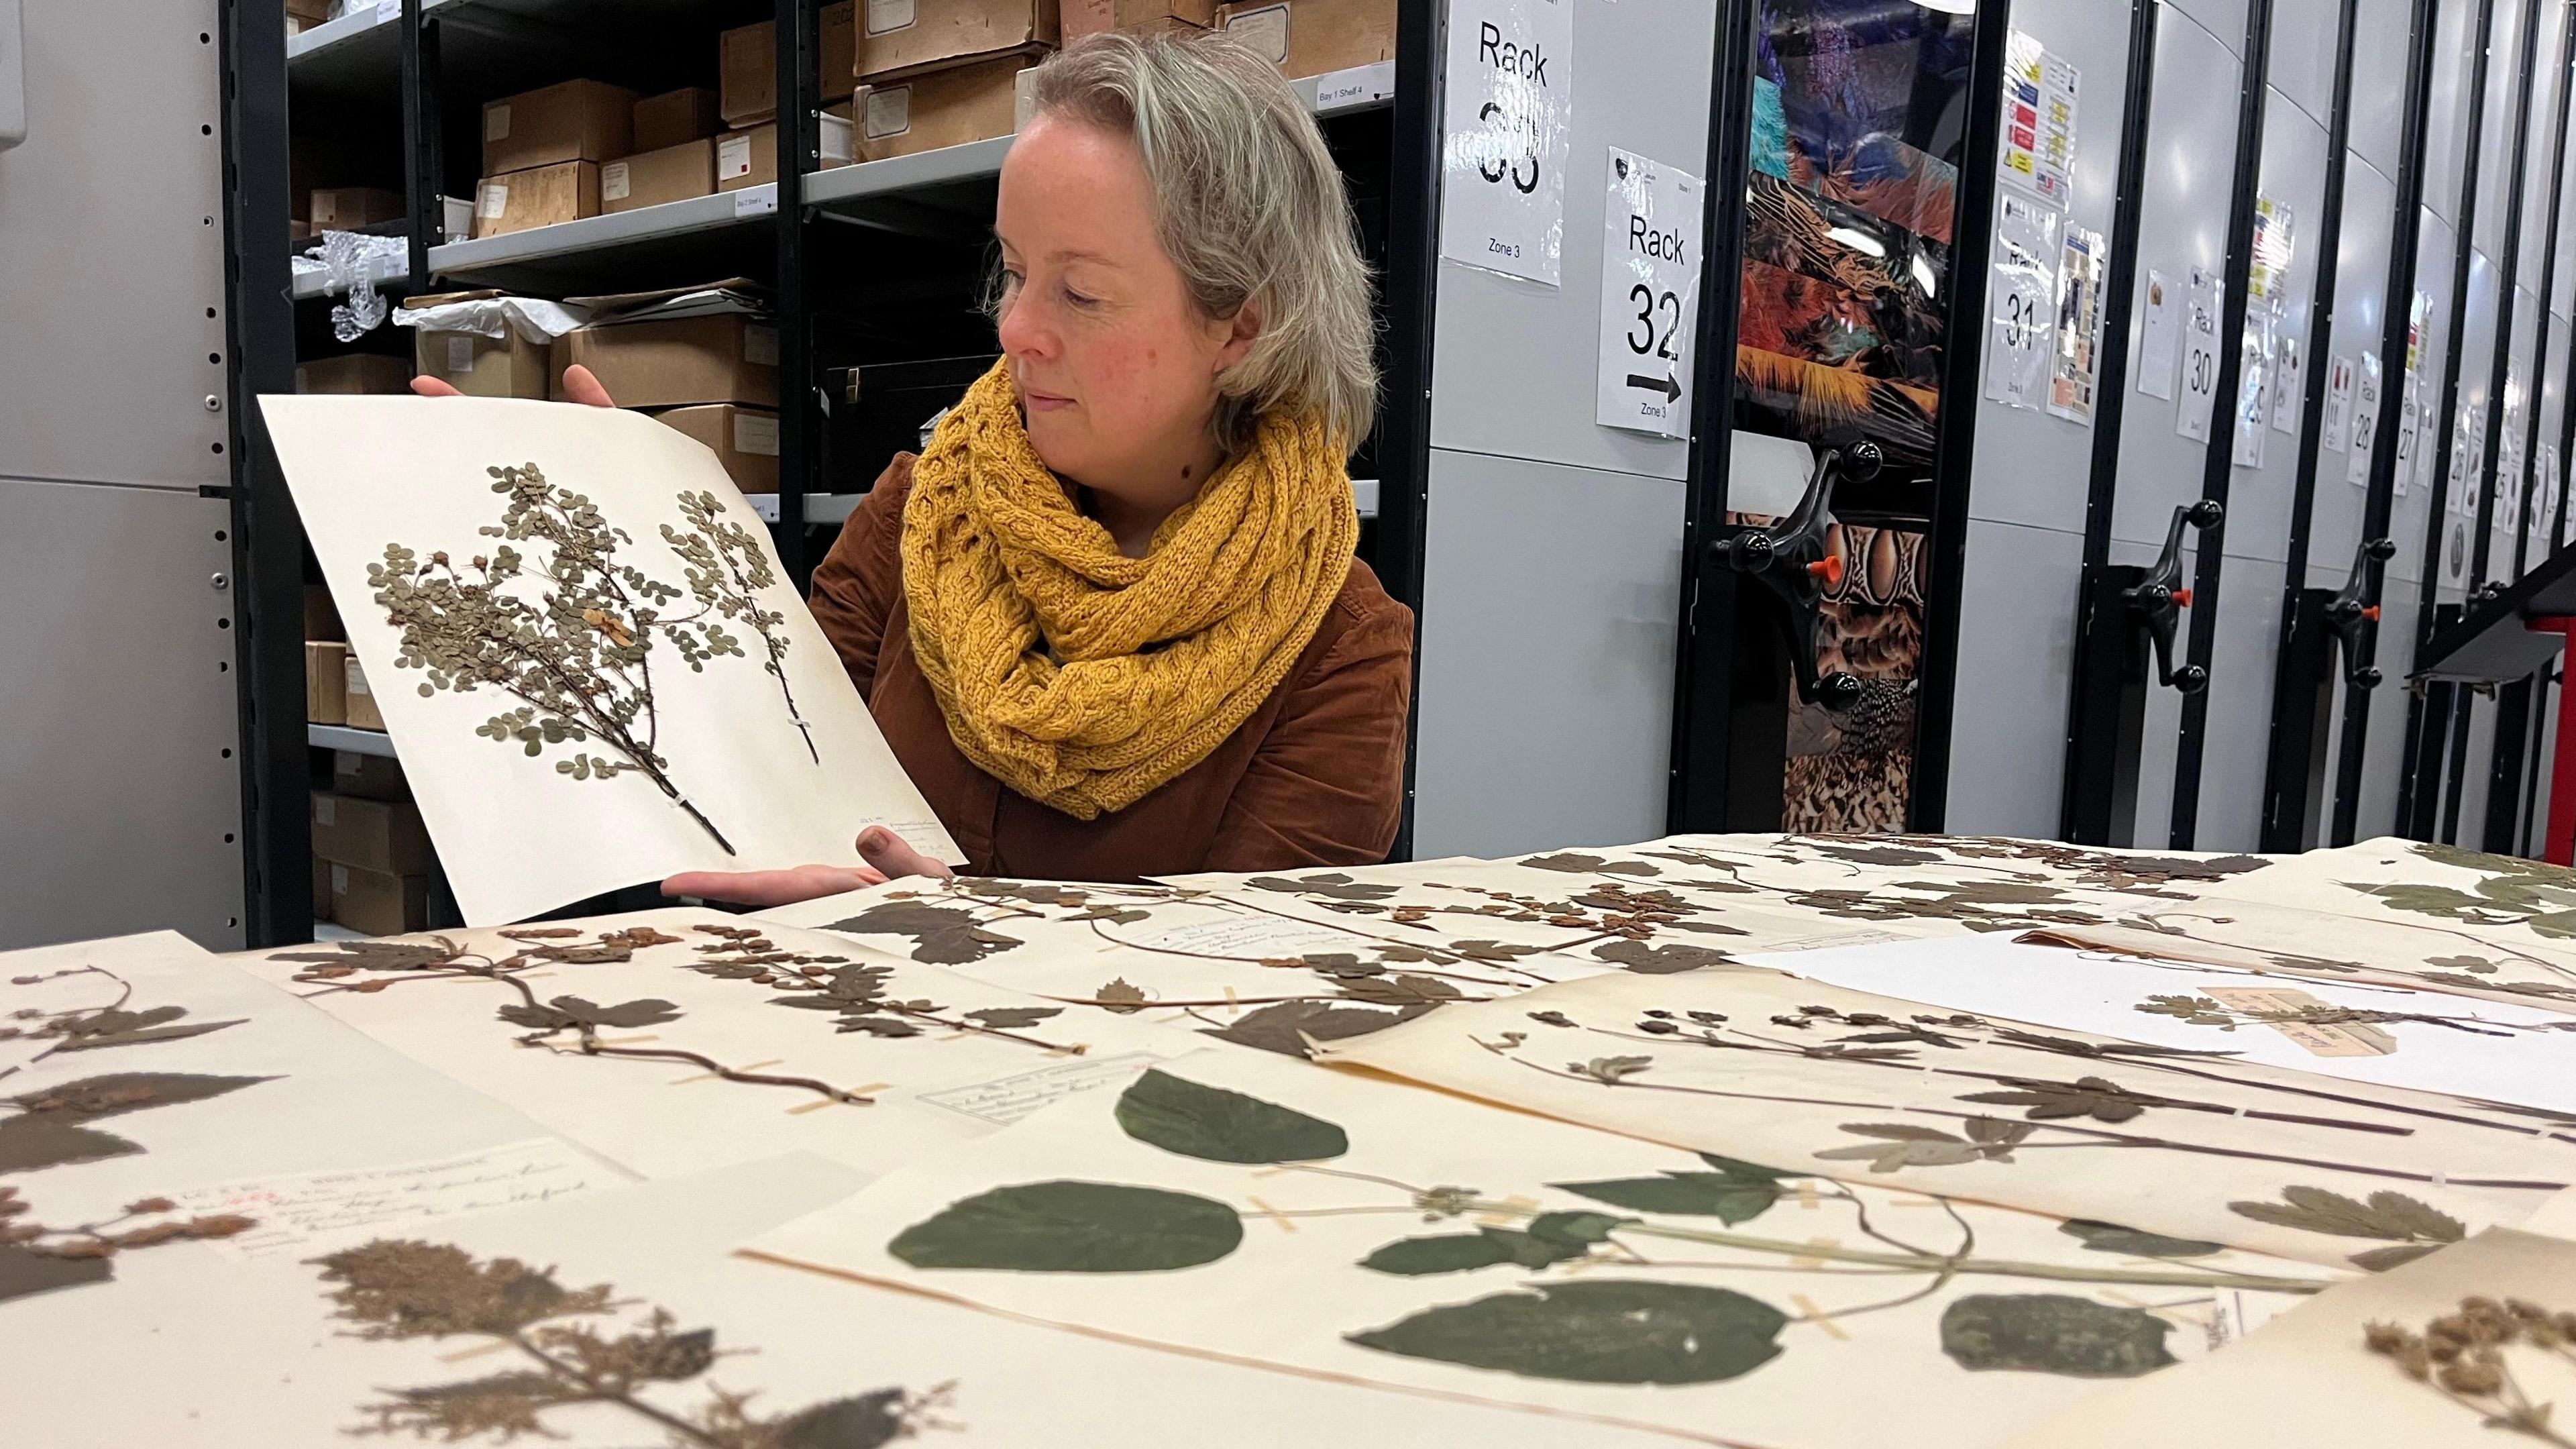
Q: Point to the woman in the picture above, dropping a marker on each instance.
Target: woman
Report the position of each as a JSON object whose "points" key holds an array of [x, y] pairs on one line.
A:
{"points": [[1110, 620]]}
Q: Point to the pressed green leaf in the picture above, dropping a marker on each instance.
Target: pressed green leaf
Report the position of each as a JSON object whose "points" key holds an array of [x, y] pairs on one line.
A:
{"points": [[2380, 1260], [1073, 1227], [118, 1093], [23, 1272], [28, 1144], [1215, 1125], [2101, 1237], [1576, 1229], [2053, 1333], [1447, 1253], [862, 1421], [1598, 1332], [1723, 1196]]}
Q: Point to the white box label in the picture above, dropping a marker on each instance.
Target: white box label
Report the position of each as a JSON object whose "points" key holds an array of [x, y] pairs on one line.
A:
{"points": [[615, 182], [339, 880], [496, 123], [1508, 135], [733, 158], [755, 433], [760, 346], [326, 811], [496, 200], [1265, 30], [358, 678], [460, 352], [889, 111], [885, 15], [1650, 251]]}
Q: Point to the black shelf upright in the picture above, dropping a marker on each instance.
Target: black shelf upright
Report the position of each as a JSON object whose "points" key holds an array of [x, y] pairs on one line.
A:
{"points": [[800, 402], [2436, 710], [2299, 692], [2396, 333], [2219, 469]]}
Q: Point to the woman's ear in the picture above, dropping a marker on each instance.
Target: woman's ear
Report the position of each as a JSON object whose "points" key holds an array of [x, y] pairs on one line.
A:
{"points": [[1240, 333]]}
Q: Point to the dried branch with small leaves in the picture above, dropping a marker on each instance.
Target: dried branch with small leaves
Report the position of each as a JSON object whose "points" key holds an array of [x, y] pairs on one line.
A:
{"points": [[2462, 1356]]}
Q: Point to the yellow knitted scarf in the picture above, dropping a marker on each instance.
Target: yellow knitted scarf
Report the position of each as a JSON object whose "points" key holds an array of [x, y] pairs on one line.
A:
{"points": [[1080, 677]]}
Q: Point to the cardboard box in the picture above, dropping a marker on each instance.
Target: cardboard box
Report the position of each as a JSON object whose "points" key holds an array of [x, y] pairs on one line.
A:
{"points": [[357, 701], [649, 178], [1098, 17], [311, 12], [747, 65], [321, 619], [325, 670], [673, 117], [577, 120], [354, 372], [509, 366], [1314, 37], [376, 904], [903, 37], [383, 835], [346, 208], [750, 158], [940, 108], [679, 362], [745, 440], [542, 196], [321, 889], [368, 777]]}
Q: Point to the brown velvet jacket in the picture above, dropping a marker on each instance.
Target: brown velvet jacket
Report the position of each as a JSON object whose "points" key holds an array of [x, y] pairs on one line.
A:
{"points": [[1314, 777]]}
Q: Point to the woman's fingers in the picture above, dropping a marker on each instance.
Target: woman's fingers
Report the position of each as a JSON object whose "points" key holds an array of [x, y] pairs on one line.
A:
{"points": [[887, 851], [581, 385], [770, 887], [434, 387]]}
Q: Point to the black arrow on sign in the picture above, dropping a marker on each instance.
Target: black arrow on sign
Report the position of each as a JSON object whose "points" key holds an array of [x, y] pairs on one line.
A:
{"points": [[1671, 389]]}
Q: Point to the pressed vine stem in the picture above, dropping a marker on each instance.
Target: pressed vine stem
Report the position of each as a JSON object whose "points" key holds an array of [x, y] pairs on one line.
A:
{"points": [[599, 1393], [124, 994]]}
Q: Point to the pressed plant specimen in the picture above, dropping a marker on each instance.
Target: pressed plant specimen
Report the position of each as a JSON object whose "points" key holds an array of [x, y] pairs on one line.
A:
{"points": [[1577, 1311], [569, 1024], [571, 636], [858, 994], [2462, 1356], [81, 1029], [396, 1289]]}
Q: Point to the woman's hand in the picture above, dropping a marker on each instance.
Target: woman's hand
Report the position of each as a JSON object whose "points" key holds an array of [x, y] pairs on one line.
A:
{"points": [[885, 852], [580, 385]]}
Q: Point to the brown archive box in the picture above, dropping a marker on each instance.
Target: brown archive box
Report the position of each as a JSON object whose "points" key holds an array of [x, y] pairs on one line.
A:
{"points": [[650, 178], [357, 700], [321, 619], [1314, 37], [902, 37], [687, 114], [750, 157], [345, 208], [680, 361], [540, 196], [383, 835], [354, 372], [745, 440], [321, 889], [325, 673], [373, 903], [940, 108], [510, 366], [368, 777], [1098, 17], [747, 65], [577, 120]]}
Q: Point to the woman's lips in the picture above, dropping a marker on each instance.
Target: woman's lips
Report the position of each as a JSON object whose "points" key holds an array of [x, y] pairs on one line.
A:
{"points": [[1043, 402]]}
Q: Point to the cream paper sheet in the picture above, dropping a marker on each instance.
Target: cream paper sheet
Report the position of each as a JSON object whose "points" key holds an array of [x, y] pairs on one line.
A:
{"points": [[516, 835], [1718, 1301], [2307, 1381], [940, 1058], [207, 1353], [1757, 1064]]}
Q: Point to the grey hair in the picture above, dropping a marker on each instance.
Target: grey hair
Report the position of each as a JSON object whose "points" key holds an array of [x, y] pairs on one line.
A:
{"points": [[1250, 204]]}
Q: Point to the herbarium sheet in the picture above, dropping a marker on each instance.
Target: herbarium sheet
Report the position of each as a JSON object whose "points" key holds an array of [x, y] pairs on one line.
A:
{"points": [[2188, 1142], [2467, 1349], [670, 1041], [585, 647], [1240, 1206], [620, 1320], [157, 1103]]}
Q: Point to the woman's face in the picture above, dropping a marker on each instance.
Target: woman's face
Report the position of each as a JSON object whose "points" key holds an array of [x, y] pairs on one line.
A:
{"points": [[1116, 364]]}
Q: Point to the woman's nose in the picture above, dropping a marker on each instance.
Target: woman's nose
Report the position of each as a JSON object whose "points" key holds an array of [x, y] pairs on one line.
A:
{"points": [[1023, 332]]}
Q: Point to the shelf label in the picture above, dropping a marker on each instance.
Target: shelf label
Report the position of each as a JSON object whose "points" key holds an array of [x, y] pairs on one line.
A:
{"points": [[756, 200], [1508, 136], [1650, 255], [2199, 355]]}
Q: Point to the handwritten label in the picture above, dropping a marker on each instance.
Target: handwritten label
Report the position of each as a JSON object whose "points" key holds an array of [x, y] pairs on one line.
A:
{"points": [[295, 1212], [1247, 937], [2316, 1039], [1006, 1100]]}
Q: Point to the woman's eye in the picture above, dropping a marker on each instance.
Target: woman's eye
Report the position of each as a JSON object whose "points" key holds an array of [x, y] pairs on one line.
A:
{"points": [[1078, 299]]}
